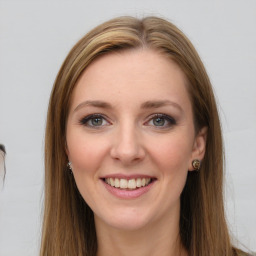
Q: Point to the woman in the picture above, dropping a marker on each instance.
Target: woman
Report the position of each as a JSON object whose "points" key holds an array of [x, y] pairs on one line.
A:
{"points": [[133, 150]]}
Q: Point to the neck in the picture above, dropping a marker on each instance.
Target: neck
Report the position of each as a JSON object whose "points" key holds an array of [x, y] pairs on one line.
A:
{"points": [[152, 240]]}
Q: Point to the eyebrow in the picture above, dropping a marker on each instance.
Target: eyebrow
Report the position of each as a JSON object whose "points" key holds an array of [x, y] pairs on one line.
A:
{"points": [[146, 105], [93, 103], [160, 103]]}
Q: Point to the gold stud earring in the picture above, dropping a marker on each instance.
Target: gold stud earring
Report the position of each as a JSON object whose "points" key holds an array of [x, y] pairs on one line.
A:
{"points": [[196, 164]]}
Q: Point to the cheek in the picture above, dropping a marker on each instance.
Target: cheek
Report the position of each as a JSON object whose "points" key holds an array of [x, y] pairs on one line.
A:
{"points": [[85, 152], [172, 154]]}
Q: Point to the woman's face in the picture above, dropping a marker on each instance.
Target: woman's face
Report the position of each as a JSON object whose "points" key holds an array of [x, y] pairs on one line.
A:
{"points": [[131, 138]]}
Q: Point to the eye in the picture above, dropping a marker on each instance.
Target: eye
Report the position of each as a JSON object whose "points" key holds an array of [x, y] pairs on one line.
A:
{"points": [[161, 121], [94, 121]]}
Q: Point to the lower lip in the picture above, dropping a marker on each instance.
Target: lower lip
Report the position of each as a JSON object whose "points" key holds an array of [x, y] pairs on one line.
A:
{"points": [[128, 194]]}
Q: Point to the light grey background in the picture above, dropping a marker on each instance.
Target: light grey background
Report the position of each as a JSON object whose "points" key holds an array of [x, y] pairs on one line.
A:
{"points": [[35, 37]]}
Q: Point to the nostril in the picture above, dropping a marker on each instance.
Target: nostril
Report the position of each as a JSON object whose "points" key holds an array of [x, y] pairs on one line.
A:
{"points": [[127, 156]]}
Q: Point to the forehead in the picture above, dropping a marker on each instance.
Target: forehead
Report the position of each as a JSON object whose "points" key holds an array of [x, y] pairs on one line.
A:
{"points": [[142, 74]]}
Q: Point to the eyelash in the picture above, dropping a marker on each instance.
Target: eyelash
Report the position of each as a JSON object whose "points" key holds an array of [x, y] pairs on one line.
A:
{"points": [[85, 120], [170, 120]]}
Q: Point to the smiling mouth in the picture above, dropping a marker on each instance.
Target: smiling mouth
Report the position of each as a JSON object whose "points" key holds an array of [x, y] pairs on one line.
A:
{"points": [[128, 184]]}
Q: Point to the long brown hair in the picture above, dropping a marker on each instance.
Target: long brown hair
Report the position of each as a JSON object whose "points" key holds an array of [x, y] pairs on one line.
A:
{"points": [[68, 226]]}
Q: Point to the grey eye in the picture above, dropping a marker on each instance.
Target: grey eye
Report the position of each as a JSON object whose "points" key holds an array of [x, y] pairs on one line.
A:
{"points": [[96, 121], [159, 121]]}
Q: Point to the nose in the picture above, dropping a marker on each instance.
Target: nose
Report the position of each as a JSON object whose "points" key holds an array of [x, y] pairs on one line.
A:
{"points": [[127, 146]]}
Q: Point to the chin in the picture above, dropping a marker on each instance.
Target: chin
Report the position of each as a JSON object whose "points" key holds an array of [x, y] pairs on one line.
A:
{"points": [[129, 221]]}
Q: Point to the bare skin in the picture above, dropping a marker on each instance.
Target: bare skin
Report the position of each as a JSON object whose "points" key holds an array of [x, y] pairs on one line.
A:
{"points": [[152, 240]]}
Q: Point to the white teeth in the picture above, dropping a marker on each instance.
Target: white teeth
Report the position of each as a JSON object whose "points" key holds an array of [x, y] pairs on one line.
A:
{"points": [[116, 183], [138, 183], [123, 183], [112, 182], [130, 184]]}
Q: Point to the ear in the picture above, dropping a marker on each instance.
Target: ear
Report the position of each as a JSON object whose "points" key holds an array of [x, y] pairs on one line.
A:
{"points": [[199, 147]]}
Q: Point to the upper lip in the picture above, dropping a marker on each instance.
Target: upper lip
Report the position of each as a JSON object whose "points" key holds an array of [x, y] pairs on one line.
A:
{"points": [[128, 177]]}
